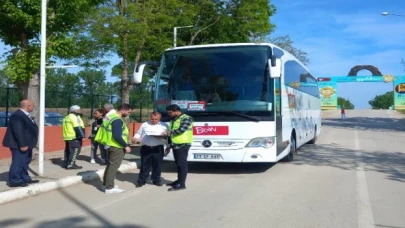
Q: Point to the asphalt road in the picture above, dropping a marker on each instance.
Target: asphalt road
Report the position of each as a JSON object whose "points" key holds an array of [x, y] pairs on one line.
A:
{"points": [[353, 177]]}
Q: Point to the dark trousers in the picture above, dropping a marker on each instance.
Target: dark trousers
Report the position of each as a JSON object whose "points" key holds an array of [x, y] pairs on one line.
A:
{"points": [[151, 156], [103, 152], [18, 173], [180, 158], [115, 157], [72, 151]]}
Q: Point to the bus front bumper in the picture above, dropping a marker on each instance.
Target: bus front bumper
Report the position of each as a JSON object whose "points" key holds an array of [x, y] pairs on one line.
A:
{"points": [[248, 155]]}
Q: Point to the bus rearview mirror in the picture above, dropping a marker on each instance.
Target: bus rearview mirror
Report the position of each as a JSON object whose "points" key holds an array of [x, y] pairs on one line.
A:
{"points": [[275, 67], [138, 72]]}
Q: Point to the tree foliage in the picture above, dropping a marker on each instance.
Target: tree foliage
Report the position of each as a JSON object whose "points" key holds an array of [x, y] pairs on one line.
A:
{"points": [[88, 31], [20, 27], [3, 78], [228, 21], [88, 88], [286, 43], [142, 30], [383, 101], [345, 103], [87, 81]]}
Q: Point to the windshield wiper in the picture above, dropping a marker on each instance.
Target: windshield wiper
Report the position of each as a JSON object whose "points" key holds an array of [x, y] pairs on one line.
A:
{"points": [[252, 118]]}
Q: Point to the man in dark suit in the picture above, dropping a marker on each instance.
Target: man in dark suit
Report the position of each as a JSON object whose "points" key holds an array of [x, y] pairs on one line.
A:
{"points": [[21, 137]]}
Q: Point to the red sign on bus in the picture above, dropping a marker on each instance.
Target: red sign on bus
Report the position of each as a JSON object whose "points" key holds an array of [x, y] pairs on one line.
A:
{"points": [[211, 130]]}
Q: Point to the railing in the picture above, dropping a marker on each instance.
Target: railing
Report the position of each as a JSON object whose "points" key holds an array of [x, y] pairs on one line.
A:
{"points": [[58, 103]]}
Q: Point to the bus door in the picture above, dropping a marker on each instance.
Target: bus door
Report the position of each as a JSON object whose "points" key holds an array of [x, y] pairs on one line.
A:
{"points": [[278, 116]]}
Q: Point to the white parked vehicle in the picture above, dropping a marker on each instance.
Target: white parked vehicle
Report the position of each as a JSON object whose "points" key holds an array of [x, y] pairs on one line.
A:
{"points": [[250, 102]]}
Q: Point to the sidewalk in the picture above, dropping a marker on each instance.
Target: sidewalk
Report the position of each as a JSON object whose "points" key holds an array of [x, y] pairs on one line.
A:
{"points": [[54, 173]]}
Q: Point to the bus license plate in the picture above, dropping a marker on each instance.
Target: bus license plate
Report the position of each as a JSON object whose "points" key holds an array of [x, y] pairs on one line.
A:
{"points": [[207, 156]]}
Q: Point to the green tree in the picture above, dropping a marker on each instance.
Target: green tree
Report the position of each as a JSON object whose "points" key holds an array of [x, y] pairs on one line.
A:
{"points": [[286, 43], [345, 103], [229, 21], [61, 81], [93, 81], [142, 30], [62, 88], [96, 88], [383, 101], [131, 28], [3, 78], [9, 96], [20, 27]]}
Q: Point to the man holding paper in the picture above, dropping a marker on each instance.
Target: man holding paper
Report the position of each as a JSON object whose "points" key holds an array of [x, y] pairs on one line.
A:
{"points": [[152, 151]]}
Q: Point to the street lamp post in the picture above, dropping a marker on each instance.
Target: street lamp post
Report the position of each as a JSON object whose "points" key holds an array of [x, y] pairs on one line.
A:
{"points": [[391, 14], [41, 136], [41, 139], [175, 33]]}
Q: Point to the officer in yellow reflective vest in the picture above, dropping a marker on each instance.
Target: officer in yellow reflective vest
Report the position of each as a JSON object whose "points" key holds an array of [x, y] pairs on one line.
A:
{"points": [[73, 134], [116, 138], [100, 136], [181, 137]]}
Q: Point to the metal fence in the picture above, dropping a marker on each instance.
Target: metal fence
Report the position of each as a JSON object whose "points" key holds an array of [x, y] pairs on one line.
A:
{"points": [[57, 104]]}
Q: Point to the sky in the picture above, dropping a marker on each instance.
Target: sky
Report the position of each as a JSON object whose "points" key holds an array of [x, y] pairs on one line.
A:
{"points": [[339, 34]]}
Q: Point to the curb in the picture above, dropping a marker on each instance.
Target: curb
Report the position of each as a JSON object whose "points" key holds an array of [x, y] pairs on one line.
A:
{"points": [[36, 189]]}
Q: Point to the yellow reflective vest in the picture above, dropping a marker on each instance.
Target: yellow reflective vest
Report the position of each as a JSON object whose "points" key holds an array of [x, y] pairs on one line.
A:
{"points": [[101, 136], [185, 137], [108, 136], [70, 122]]}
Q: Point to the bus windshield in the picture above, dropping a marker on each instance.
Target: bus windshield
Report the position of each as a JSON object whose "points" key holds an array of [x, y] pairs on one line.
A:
{"points": [[227, 80]]}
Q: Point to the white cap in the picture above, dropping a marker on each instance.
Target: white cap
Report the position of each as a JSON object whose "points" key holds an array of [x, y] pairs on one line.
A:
{"points": [[74, 108]]}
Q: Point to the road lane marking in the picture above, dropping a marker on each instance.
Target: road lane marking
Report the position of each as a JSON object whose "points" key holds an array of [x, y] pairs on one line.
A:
{"points": [[364, 212]]}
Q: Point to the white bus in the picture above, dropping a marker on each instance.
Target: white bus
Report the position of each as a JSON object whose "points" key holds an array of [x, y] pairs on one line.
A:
{"points": [[250, 102]]}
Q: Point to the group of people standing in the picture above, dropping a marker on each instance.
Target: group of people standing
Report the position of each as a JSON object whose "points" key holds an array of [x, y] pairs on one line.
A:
{"points": [[177, 137], [110, 134], [74, 133]]}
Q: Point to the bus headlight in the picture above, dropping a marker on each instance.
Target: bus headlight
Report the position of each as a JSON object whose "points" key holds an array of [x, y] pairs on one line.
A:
{"points": [[265, 142]]}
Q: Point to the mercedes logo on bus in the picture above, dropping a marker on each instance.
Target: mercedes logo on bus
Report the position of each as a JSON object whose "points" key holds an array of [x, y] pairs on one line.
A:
{"points": [[206, 143]]}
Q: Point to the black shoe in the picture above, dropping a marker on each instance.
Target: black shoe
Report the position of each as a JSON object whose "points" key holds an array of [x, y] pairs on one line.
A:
{"points": [[74, 167], [172, 184], [32, 181], [138, 185], [14, 185], [157, 183], [176, 187], [77, 167]]}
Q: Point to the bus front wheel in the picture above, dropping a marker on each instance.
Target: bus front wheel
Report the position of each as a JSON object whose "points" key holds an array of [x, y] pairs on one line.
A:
{"points": [[293, 150]]}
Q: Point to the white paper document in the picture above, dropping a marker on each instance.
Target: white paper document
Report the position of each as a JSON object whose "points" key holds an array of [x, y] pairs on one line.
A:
{"points": [[154, 130]]}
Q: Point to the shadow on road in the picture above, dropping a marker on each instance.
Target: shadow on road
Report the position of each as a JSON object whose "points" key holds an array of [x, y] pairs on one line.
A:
{"points": [[367, 123], [389, 163], [73, 221], [196, 168], [12, 222], [3, 178], [385, 226], [220, 168]]}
